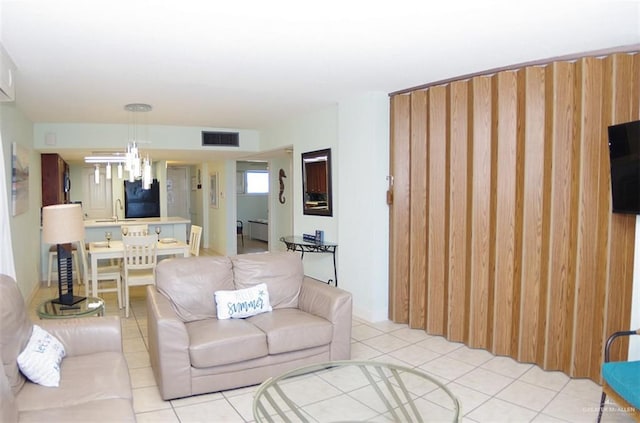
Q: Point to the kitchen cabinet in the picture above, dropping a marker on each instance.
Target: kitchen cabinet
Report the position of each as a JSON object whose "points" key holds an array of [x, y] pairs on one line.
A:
{"points": [[316, 177], [55, 179]]}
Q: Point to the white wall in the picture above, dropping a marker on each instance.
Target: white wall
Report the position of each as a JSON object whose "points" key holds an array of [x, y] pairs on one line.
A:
{"points": [[197, 198], [228, 201], [25, 227], [101, 136], [216, 216], [310, 132], [364, 215], [357, 131], [281, 215]]}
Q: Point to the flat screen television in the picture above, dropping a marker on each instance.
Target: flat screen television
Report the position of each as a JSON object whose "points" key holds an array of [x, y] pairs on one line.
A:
{"points": [[624, 155]]}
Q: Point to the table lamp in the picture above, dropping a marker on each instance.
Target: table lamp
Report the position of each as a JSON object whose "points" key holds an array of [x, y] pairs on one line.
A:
{"points": [[62, 224]]}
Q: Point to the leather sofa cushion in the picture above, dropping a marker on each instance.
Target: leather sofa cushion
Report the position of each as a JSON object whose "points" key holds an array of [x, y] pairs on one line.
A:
{"points": [[291, 329], [84, 379], [215, 342], [190, 284], [15, 330], [281, 271]]}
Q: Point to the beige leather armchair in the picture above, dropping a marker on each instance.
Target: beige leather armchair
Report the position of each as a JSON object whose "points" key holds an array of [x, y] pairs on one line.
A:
{"points": [[94, 381], [192, 352]]}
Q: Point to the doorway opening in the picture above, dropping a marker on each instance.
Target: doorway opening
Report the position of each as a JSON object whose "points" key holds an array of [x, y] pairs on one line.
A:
{"points": [[252, 206]]}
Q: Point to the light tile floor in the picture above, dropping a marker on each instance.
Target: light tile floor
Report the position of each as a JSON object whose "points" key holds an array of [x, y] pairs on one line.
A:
{"points": [[490, 388], [252, 246]]}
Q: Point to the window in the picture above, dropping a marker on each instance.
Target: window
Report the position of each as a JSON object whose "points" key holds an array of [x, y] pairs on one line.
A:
{"points": [[257, 182]]}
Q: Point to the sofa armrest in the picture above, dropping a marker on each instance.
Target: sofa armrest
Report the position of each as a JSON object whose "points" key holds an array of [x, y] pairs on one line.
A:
{"points": [[87, 335], [168, 347], [333, 304]]}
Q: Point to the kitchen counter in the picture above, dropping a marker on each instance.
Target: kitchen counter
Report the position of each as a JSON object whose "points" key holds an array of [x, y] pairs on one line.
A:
{"points": [[170, 227], [101, 223]]}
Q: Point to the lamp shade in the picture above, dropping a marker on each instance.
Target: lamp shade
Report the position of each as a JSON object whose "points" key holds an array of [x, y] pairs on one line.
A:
{"points": [[62, 223]]}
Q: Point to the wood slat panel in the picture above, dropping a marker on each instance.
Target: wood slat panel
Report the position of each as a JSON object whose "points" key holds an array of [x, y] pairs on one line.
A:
{"points": [[506, 233], [623, 95], [437, 303], [585, 327], [506, 105], [592, 367], [458, 210], [482, 243], [560, 105], [418, 211], [535, 220], [400, 154]]}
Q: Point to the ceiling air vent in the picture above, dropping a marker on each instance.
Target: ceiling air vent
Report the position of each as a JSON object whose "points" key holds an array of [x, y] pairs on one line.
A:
{"points": [[225, 139]]}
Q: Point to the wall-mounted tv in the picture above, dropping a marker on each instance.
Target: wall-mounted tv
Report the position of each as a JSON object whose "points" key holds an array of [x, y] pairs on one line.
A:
{"points": [[624, 154]]}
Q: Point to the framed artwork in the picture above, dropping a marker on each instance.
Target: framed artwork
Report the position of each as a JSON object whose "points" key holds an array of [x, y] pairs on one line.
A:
{"points": [[19, 179], [213, 191]]}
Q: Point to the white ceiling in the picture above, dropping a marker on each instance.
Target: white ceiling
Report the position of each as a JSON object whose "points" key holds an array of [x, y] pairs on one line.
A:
{"points": [[249, 63]]}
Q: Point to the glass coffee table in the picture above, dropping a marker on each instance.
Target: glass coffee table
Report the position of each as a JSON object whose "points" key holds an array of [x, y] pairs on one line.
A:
{"points": [[91, 306], [341, 391]]}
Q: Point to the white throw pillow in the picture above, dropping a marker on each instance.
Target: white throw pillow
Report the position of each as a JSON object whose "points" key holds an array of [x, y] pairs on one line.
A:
{"points": [[242, 302], [40, 360]]}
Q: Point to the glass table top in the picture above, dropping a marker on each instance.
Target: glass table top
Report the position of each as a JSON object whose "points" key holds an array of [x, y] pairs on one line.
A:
{"points": [[342, 391], [87, 307]]}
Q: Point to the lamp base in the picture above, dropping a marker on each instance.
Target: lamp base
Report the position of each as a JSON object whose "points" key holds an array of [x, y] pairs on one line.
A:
{"points": [[65, 277], [67, 299]]}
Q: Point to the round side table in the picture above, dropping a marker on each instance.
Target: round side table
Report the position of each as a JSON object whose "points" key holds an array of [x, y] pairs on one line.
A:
{"points": [[91, 306]]}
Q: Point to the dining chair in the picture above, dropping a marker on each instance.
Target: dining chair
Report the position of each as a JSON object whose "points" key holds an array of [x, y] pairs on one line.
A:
{"points": [[620, 380], [138, 264], [132, 230], [135, 230], [105, 273], [194, 240]]}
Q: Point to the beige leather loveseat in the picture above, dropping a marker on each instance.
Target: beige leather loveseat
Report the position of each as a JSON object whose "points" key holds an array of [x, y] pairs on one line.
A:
{"points": [[94, 381], [193, 352]]}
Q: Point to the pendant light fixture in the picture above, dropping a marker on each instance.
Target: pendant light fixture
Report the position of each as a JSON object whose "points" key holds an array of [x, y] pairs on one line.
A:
{"points": [[131, 160], [134, 164]]}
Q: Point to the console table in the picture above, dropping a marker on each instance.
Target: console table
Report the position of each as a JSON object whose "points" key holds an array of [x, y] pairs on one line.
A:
{"points": [[298, 243]]}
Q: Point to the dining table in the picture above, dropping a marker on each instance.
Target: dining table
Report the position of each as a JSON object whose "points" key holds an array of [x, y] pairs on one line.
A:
{"points": [[114, 249]]}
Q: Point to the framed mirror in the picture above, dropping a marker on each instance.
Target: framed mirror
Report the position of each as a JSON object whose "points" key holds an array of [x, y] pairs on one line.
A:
{"points": [[316, 183]]}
